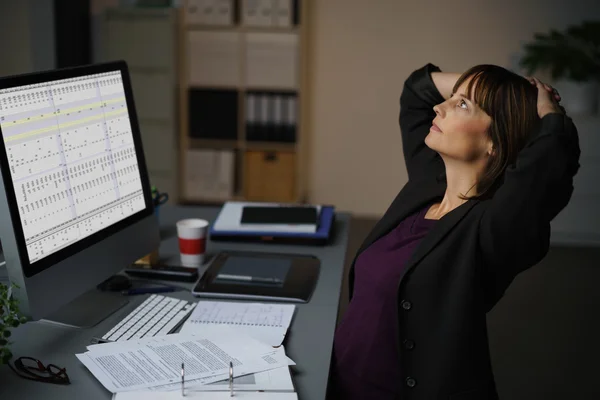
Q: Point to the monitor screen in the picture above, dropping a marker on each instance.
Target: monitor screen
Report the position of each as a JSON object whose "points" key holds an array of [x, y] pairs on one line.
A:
{"points": [[71, 157]]}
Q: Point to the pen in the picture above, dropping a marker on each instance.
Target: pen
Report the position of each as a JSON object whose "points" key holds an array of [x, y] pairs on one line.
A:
{"points": [[161, 289], [245, 278]]}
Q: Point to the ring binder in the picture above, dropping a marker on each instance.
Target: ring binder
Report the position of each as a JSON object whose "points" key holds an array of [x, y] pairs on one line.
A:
{"points": [[230, 379]]}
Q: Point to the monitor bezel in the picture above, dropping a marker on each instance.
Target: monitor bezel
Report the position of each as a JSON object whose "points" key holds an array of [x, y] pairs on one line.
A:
{"points": [[31, 269]]}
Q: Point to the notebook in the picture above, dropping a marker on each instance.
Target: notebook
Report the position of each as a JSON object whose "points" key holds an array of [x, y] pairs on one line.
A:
{"points": [[265, 322]]}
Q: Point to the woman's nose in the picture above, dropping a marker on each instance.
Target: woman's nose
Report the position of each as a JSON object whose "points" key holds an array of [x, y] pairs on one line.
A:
{"points": [[437, 109]]}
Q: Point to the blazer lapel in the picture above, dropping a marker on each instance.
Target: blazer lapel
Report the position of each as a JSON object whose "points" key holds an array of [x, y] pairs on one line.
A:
{"points": [[413, 197], [410, 199], [437, 233]]}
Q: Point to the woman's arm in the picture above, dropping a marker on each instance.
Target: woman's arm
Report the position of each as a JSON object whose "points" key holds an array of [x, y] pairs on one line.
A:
{"points": [[514, 231], [444, 82], [418, 98]]}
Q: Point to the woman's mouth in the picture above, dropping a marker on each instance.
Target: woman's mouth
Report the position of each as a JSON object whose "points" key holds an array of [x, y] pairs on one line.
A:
{"points": [[434, 127]]}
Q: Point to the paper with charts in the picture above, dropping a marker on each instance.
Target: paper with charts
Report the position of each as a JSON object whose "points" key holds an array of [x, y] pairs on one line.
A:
{"points": [[266, 322]]}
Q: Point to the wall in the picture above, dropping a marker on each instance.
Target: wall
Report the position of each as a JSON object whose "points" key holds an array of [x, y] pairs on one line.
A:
{"points": [[361, 53], [15, 37], [26, 36]]}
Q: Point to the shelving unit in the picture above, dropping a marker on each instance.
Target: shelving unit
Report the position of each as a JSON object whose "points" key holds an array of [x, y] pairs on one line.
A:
{"points": [[146, 39], [217, 65]]}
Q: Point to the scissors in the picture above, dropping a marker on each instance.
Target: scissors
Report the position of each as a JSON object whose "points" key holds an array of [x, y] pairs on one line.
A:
{"points": [[159, 198]]}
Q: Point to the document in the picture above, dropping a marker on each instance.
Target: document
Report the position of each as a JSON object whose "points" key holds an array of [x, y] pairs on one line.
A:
{"points": [[265, 322], [148, 362], [204, 396], [278, 379]]}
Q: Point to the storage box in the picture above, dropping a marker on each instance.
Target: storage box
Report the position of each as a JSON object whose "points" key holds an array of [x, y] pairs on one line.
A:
{"points": [[270, 176]]}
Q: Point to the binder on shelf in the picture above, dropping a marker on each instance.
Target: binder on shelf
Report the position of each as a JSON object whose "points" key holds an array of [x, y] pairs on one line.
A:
{"points": [[277, 120], [265, 117], [289, 134], [251, 116], [282, 13], [210, 12], [257, 13], [270, 13], [213, 114], [271, 116], [228, 227]]}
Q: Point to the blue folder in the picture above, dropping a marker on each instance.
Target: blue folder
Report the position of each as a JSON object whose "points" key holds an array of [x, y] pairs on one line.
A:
{"points": [[320, 237]]}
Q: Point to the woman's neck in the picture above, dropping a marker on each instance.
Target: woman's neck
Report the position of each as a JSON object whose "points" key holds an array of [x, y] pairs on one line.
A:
{"points": [[461, 180]]}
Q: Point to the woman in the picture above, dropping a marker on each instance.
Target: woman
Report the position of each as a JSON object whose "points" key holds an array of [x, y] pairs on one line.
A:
{"points": [[490, 157]]}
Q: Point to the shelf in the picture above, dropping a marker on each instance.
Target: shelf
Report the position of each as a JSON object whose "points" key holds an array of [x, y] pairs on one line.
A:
{"points": [[268, 146], [215, 144], [254, 175], [237, 28], [214, 87], [242, 88]]}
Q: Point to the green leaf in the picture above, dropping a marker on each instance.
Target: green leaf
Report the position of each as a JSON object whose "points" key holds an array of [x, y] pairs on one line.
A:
{"points": [[3, 342], [6, 356], [7, 334], [574, 54]]}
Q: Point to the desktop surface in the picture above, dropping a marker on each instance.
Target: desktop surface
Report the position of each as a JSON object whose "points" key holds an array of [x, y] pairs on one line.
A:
{"points": [[309, 341]]}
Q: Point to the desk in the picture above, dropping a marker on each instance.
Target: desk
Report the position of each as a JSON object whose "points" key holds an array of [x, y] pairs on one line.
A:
{"points": [[309, 340]]}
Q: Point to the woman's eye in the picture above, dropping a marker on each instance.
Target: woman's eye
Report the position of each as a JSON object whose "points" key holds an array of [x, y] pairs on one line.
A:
{"points": [[462, 102]]}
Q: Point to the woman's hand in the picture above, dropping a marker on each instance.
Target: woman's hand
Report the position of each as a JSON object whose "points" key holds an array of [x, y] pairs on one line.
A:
{"points": [[548, 98]]}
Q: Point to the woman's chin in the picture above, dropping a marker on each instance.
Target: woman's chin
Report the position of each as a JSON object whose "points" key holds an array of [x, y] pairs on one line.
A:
{"points": [[430, 141]]}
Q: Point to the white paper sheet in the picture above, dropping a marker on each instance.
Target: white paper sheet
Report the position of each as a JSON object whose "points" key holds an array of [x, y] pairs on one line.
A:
{"points": [[266, 322], [148, 362], [204, 396]]}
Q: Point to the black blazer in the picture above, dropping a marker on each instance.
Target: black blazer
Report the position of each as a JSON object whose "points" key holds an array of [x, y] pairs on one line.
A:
{"points": [[463, 266]]}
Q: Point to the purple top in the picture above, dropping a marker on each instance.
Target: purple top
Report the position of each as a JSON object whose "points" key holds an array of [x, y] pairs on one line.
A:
{"points": [[365, 348]]}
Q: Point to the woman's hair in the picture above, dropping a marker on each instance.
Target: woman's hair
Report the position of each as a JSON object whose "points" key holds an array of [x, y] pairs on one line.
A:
{"points": [[511, 102]]}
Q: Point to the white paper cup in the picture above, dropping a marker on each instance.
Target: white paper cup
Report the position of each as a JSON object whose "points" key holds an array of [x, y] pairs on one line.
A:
{"points": [[192, 235]]}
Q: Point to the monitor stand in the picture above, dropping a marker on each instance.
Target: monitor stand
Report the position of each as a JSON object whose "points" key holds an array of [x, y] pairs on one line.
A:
{"points": [[88, 310]]}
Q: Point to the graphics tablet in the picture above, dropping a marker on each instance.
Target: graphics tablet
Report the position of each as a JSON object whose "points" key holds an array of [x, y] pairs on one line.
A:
{"points": [[259, 276]]}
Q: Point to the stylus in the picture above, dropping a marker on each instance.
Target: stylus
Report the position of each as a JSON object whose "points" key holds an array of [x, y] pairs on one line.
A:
{"points": [[245, 278]]}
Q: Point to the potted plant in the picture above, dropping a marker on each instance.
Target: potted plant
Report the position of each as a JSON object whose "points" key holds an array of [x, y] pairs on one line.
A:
{"points": [[9, 319], [573, 60]]}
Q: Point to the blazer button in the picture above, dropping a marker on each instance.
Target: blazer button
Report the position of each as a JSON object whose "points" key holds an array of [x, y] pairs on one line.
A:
{"points": [[409, 344], [406, 305], [410, 382]]}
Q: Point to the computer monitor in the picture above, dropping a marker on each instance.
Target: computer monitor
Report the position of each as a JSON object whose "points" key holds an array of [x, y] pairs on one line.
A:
{"points": [[75, 201]]}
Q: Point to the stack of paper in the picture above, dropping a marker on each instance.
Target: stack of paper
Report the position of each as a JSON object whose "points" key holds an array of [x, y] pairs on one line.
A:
{"points": [[154, 364]]}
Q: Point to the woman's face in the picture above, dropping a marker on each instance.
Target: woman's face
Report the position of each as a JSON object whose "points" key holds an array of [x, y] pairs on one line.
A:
{"points": [[459, 130]]}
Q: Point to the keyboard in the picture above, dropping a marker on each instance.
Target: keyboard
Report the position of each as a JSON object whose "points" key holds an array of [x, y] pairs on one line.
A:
{"points": [[156, 316]]}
